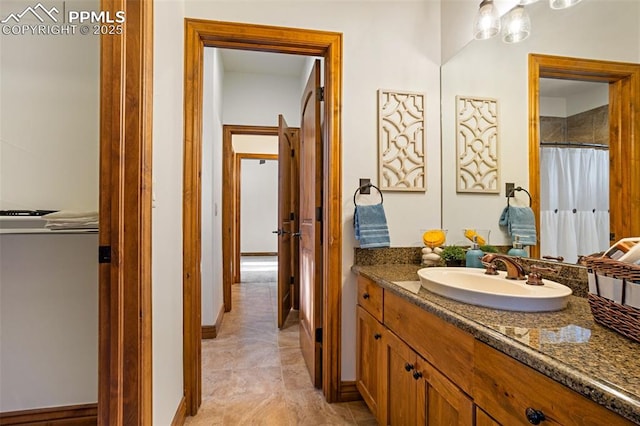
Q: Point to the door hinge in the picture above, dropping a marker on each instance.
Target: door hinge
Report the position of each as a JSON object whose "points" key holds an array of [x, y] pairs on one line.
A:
{"points": [[319, 214], [321, 94], [318, 335], [291, 280], [104, 254]]}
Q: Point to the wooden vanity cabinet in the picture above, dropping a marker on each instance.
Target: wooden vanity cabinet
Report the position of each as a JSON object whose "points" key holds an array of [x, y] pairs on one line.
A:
{"points": [[369, 332], [369, 346], [423, 370], [510, 391], [414, 392]]}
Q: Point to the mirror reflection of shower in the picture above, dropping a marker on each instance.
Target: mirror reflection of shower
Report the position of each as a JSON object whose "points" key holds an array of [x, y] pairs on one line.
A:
{"points": [[574, 168]]}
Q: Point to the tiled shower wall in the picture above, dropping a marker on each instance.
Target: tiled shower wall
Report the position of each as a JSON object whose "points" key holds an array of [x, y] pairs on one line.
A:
{"points": [[587, 127]]}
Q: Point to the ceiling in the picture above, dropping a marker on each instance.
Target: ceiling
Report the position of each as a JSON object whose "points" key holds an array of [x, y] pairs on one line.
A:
{"points": [[246, 61]]}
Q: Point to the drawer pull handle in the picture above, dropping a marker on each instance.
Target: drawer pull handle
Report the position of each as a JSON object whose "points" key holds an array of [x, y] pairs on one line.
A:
{"points": [[417, 375], [365, 296], [534, 416], [377, 336], [408, 366]]}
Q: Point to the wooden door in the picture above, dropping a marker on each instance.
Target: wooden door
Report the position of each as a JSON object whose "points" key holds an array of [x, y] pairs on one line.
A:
{"points": [[440, 401], [311, 227], [398, 394], [287, 218], [368, 360]]}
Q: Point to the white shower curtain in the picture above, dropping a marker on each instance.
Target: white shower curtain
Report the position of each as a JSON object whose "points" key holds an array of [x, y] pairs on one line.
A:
{"points": [[574, 201]]}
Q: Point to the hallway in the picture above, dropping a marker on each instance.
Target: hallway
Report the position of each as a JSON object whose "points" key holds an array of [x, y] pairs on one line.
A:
{"points": [[254, 374]]}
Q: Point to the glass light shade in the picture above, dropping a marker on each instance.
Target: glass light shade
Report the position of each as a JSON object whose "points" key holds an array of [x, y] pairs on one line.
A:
{"points": [[517, 25], [487, 23], [562, 4]]}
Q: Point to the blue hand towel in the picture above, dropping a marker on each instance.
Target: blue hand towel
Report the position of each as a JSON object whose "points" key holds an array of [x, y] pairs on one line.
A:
{"points": [[520, 221], [370, 224]]}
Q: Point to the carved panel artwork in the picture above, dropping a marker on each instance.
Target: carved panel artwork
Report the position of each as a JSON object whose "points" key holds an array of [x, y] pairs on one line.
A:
{"points": [[401, 127], [477, 145]]}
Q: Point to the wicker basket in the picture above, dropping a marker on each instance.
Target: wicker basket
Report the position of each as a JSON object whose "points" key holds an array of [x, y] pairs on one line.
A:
{"points": [[614, 288]]}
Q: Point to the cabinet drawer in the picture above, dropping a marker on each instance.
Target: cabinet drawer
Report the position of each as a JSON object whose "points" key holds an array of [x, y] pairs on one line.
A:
{"points": [[370, 297], [505, 388], [445, 346]]}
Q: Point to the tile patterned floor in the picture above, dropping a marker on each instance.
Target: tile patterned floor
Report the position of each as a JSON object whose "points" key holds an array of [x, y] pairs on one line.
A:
{"points": [[254, 374]]}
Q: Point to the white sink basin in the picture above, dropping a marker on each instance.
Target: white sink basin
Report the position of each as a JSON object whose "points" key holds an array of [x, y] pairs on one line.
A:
{"points": [[471, 285]]}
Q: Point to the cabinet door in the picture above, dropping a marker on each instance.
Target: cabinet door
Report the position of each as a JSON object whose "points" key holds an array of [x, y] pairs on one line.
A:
{"points": [[368, 360], [440, 402], [398, 396], [483, 419]]}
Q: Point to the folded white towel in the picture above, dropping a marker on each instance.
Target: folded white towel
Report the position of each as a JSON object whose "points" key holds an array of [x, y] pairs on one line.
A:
{"points": [[71, 215], [68, 219]]}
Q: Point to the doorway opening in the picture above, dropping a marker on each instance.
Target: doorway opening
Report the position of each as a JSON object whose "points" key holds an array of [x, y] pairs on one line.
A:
{"points": [[624, 127], [198, 35]]}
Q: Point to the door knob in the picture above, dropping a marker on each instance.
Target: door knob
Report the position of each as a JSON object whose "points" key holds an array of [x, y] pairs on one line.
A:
{"points": [[295, 234], [280, 232], [417, 375], [534, 416], [408, 366]]}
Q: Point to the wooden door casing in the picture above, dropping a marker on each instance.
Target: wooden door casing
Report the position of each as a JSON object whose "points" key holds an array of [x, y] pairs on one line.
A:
{"points": [[199, 34], [311, 228]]}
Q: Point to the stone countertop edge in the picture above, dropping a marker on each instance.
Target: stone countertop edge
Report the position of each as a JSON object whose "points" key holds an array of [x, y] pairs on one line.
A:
{"points": [[601, 392]]}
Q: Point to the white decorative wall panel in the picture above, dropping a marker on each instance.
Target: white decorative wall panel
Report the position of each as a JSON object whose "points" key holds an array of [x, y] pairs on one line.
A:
{"points": [[401, 129], [477, 145]]}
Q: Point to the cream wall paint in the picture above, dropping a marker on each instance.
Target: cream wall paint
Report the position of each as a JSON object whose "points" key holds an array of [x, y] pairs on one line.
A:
{"points": [[393, 45], [258, 206], [49, 136], [48, 320], [208, 232], [218, 94], [589, 99], [167, 213], [255, 144], [49, 120], [494, 69], [257, 99]]}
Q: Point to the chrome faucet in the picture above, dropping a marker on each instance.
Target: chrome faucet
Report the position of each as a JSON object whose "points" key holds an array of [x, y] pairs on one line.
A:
{"points": [[515, 271]]}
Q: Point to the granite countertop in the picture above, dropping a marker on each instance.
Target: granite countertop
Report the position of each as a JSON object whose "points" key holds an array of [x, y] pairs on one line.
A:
{"points": [[567, 346]]}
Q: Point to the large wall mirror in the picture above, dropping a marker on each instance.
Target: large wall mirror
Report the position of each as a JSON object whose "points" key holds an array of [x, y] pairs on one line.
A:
{"points": [[594, 30]]}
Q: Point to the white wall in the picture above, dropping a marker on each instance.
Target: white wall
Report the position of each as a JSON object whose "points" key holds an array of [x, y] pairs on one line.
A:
{"points": [[394, 45], [594, 29], [593, 96], [49, 139], [49, 120], [258, 206], [48, 320], [257, 99], [167, 213], [212, 298]]}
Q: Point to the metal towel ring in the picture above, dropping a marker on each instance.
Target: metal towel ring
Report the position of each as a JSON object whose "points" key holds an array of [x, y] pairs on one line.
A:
{"points": [[519, 188], [369, 185]]}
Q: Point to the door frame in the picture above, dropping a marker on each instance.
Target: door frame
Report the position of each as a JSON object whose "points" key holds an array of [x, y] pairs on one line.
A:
{"points": [[201, 33], [230, 226], [238, 157], [124, 301], [624, 131]]}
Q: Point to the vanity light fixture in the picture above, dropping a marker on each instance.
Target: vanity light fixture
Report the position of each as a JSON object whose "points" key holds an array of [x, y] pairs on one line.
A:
{"points": [[517, 25], [562, 4], [487, 23]]}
